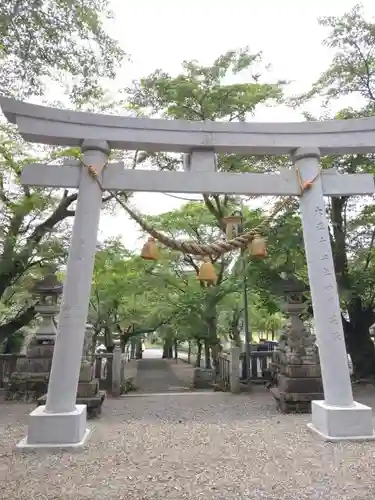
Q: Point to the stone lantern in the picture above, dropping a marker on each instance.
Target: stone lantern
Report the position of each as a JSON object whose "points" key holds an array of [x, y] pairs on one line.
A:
{"points": [[88, 391], [296, 379], [293, 290], [294, 304], [30, 380], [48, 292]]}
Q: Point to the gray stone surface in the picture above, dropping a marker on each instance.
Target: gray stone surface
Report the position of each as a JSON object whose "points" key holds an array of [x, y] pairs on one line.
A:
{"points": [[211, 446], [54, 430], [116, 177], [323, 286], [70, 128], [327, 313], [69, 344]]}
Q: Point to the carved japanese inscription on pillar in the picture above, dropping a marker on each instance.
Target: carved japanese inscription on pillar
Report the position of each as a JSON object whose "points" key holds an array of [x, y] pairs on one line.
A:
{"points": [[329, 284]]}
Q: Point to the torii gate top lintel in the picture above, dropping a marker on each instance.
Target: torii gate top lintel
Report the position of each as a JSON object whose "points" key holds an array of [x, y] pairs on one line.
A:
{"points": [[54, 126]]}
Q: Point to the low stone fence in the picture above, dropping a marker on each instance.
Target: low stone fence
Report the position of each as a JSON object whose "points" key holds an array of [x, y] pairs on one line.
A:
{"points": [[109, 368], [111, 372], [8, 364], [229, 370], [260, 362]]}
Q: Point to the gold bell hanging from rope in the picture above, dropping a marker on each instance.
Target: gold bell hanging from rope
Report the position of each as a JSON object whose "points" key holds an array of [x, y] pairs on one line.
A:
{"points": [[257, 247], [207, 272], [150, 250]]}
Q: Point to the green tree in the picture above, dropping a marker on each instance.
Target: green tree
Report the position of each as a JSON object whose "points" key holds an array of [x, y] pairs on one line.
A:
{"points": [[28, 218], [127, 298], [43, 41], [352, 72], [204, 93], [207, 315]]}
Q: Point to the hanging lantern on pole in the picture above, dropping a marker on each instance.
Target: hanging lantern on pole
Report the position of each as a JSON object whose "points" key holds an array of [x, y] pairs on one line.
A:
{"points": [[257, 247], [150, 250], [232, 223], [207, 272]]}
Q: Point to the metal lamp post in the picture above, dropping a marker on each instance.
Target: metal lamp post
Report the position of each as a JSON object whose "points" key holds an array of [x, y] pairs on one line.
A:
{"points": [[237, 220]]}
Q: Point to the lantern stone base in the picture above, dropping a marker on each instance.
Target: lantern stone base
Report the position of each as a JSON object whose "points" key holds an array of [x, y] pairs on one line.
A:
{"points": [[294, 402], [58, 431], [294, 394], [335, 423], [30, 380], [88, 392], [26, 387], [93, 403]]}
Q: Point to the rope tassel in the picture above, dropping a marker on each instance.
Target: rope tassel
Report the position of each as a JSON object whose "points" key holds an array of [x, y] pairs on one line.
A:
{"points": [[92, 171], [306, 185]]}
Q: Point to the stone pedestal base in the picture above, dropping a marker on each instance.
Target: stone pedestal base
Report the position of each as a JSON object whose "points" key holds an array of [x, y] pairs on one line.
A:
{"points": [[30, 380], [26, 386], [294, 402], [334, 423], [55, 430], [296, 387], [88, 394]]}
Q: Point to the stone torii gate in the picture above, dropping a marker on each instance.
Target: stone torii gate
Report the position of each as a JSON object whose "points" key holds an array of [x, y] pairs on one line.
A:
{"points": [[62, 423]]}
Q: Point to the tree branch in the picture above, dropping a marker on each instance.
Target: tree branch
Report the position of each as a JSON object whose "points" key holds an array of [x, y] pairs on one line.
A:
{"points": [[12, 326]]}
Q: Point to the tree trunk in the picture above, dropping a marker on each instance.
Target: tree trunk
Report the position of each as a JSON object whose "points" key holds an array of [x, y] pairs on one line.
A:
{"points": [[167, 349], [212, 341], [234, 328], [358, 341], [175, 350], [122, 343], [138, 349], [132, 349], [108, 340], [356, 330], [216, 348], [11, 327], [189, 352], [207, 355], [199, 354]]}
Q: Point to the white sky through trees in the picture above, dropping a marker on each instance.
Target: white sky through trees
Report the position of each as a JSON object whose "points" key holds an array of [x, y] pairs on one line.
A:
{"points": [[161, 34]]}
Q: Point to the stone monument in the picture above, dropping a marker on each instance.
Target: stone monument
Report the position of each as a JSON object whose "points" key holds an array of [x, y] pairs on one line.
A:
{"points": [[88, 392], [30, 379], [295, 368]]}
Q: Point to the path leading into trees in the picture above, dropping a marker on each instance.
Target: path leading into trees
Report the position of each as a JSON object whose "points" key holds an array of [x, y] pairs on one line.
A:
{"points": [[157, 376]]}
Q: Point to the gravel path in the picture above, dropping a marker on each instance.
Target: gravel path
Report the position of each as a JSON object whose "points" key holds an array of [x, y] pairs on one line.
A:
{"points": [[193, 446]]}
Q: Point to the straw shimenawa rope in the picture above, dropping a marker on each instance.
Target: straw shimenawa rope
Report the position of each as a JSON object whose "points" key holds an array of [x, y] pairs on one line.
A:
{"points": [[213, 249]]}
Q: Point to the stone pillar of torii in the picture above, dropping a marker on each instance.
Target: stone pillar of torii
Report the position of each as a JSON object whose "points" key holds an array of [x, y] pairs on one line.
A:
{"points": [[61, 423]]}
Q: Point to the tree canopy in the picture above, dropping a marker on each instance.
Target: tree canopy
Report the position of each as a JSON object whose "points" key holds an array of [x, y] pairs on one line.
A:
{"points": [[61, 41]]}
